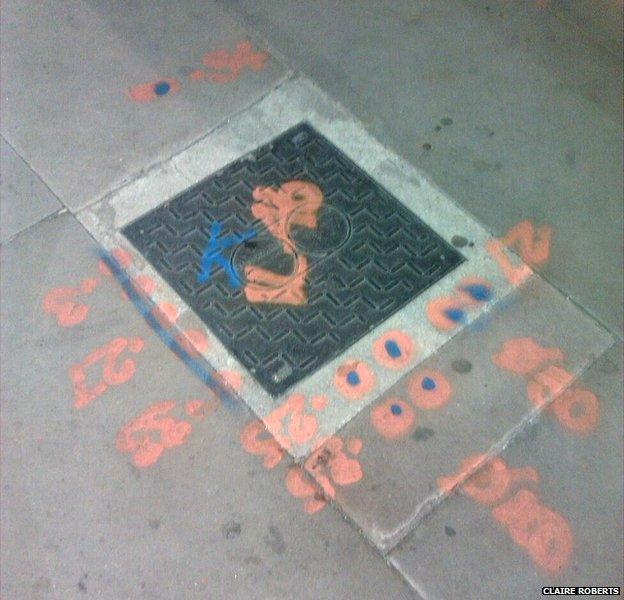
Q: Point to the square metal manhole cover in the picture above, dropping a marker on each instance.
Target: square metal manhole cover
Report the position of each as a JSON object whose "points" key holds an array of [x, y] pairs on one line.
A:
{"points": [[291, 254]]}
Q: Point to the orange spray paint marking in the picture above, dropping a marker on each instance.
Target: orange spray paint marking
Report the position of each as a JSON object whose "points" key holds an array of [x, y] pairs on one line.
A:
{"points": [[491, 483], [429, 389], [319, 402], [300, 487], [524, 356], [136, 436], [330, 465], [112, 373], [200, 409], [293, 203], [300, 428], [578, 410], [547, 384], [121, 256], [143, 284], [193, 341], [147, 92], [394, 349], [393, 419], [447, 312], [232, 379], [533, 247], [515, 275], [227, 66], [354, 380], [166, 313], [60, 303], [268, 448], [268, 287], [539, 530]]}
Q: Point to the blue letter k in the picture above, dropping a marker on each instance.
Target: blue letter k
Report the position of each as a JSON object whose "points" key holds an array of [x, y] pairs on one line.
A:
{"points": [[212, 253]]}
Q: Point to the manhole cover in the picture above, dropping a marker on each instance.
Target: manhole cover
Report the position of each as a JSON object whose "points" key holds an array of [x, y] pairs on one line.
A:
{"points": [[291, 254]]}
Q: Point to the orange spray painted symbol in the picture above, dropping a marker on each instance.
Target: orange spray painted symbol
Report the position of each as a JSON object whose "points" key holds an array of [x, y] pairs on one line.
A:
{"points": [[226, 67], [60, 302], [533, 246], [448, 312], [293, 203], [490, 483], [112, 372], [268, 448], [576, 408], [290, 424], [137, 437], [543, 533], [333, 464], [539, 530]]}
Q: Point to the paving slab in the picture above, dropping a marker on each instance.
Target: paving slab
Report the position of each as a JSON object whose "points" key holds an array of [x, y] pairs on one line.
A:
{"points": [[507, 107], [457, 403], [103, 499], [136, 84], [24, 198], [547, 512], [346, 382]]}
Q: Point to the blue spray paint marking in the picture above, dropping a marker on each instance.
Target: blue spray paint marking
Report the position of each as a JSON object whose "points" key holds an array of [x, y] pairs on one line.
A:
{"points": [[392, 348], [161, 88], [396, 410], [455, 314], [212, 253], [479, 292], [353, 378], [428, 384], [144, 307]]}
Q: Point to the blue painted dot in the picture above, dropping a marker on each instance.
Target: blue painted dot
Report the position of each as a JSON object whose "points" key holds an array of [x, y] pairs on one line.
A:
{"points": [[353, 378], [392, 348], [161, 88], [395, 409], [455, 314], [428, 383], [480, 292]]}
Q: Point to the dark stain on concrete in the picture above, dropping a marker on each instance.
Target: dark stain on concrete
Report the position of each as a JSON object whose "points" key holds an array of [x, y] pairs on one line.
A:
{"points": [[274, 540], [461, 365], [231, 530], [459, 241], [422, 434]]}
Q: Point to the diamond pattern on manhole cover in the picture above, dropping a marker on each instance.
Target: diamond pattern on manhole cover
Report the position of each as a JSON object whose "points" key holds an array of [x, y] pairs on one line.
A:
{"points": [[291, 254]]}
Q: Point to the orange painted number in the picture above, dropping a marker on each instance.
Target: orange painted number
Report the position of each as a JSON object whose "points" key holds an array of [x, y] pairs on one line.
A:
{"points": [[542, 532], [60, 302], [151, 433], [113, 373], [268, 448]]}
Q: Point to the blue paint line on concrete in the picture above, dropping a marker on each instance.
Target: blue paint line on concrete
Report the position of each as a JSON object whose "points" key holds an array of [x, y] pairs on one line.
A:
{"points": [[144, 307]]}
